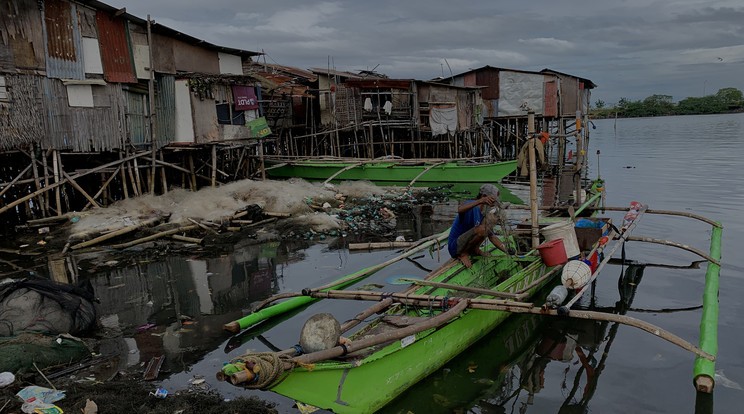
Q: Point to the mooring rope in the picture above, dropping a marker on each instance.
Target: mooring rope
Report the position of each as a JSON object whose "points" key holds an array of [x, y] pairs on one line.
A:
{"points": [[268, 368]]}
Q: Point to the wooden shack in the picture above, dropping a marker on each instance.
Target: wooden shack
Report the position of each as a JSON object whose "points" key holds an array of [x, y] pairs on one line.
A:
{"points": [[97, 104]]}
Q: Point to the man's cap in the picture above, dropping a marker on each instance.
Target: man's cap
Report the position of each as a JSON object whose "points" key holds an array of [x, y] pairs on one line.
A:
{"points": [[489, 190]]}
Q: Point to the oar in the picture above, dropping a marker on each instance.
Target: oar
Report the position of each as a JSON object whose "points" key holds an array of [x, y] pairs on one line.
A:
{"points": [[298, 299]]}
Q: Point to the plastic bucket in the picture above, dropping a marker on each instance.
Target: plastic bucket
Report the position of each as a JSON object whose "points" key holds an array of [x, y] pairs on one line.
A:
{"points": [[563, 230], [576, 274], [552, 252]]}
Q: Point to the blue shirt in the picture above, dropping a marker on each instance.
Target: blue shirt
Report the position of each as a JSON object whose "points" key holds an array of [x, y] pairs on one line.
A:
{"points": [[463, 222]]}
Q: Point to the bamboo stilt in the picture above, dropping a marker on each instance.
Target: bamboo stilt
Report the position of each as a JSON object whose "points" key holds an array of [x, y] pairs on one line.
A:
{"points": [[55, 169], [214, 164], [163, 178]]}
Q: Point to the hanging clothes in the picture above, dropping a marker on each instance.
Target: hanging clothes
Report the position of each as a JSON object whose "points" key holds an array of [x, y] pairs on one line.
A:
{"points": [[368, 105], [388, 107], [523, 159], [443, 119]]}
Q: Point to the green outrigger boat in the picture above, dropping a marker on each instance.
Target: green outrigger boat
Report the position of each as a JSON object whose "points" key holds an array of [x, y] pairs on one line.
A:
{"points": [[392, 170], [420, 329]]}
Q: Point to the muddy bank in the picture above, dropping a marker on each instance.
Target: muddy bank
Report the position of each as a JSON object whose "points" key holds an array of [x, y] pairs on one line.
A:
{"points": [[128, 395]]}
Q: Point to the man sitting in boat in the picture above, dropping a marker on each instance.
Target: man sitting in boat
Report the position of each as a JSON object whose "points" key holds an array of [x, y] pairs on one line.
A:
{"points": [[473, 224]]}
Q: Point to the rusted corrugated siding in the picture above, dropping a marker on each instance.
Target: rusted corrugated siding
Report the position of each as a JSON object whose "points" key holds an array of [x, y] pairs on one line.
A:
{"points": [[84, 129], [551, 98], [569, 95], [63, 40], [115, 53], [470, 79], [165, 110], [23, 120], [21, 35], [488, 77]]}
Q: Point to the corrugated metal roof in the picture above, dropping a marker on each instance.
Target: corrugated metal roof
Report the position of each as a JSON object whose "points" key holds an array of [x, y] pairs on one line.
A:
{"points": [[115, 51], [319, 71], [63, 40]]}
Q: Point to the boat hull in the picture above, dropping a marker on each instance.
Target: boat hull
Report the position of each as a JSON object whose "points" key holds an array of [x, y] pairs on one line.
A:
{"points": [[365, 386], [392, 171]]}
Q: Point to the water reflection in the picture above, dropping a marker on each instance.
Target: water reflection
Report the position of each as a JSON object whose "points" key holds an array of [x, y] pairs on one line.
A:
{"points": [[176, 306], [506, 370]]}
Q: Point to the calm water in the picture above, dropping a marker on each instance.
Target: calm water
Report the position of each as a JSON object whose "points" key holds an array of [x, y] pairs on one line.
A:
{"points": [[533, 364]]}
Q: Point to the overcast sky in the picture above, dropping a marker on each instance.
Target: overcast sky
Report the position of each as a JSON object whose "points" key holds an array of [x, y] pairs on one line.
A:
{"points": [[629, 48]]}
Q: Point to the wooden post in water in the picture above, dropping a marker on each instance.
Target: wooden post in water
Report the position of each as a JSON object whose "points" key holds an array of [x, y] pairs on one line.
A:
{"points": [[533, 178]]}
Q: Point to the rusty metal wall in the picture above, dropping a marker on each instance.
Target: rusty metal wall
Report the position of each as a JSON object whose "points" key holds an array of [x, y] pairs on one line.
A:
{"points": [[551, 97], [165, 110], [115, 48], [64, 42], [21, 35], [569, 93], [488, 77]]}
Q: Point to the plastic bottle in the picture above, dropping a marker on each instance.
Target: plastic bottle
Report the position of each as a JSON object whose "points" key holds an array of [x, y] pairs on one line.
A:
{"points": [[556, 297]]}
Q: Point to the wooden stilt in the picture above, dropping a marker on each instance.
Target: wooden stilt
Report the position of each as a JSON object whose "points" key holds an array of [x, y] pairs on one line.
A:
{"points": [[123, 177], [40, 199], [162, 174], [46, 181], [104, 186], [55, 167], [137, 176], [214, 164], [193, 174]]}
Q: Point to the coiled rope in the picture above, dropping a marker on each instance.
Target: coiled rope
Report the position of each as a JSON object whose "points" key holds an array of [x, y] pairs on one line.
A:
{"points": [[269, 367]]}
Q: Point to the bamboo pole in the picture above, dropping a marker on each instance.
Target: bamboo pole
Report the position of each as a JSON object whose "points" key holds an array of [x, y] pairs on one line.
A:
{"points": [[105, 184], [40, 199], [163, 179], [46, 180], [518, 307], [424, 172], [137, 176], [193, 173], [704, 370], [151, 96], [214, 164], [187, 239], [57, 184], [533, 179], [55, 170], [123, 176], [675, 244], [259, 313], [379, 245], [337, 173], [116, 233], [15, 180], [428, 323], [75, 185], [154, 237]]}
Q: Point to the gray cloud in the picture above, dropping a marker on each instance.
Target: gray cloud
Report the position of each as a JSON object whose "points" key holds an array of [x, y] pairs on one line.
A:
{"points": [[630, 48]]}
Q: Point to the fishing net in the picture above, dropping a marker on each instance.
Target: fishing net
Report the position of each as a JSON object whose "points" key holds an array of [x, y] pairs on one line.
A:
{"points": [[45, 306]]}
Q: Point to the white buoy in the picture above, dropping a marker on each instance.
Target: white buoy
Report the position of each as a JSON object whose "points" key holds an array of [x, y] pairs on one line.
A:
{"points": [[576, 274]]}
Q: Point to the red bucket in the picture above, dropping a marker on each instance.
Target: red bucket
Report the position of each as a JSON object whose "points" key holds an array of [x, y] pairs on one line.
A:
{"points": [[552, 252]]}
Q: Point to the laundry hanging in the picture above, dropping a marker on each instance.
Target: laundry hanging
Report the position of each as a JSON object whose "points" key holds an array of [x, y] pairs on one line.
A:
{"points": [[443, 119]]}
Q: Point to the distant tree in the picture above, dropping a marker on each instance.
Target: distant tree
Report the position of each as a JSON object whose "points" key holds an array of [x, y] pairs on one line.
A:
{"points": [[599, 104], [656, 105], [731, 97]]}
